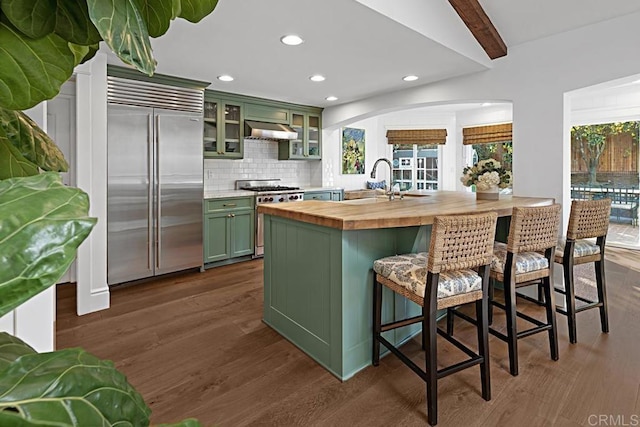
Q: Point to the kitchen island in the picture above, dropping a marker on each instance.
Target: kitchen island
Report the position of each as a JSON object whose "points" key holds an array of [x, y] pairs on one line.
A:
{"points": [[318, 267]]}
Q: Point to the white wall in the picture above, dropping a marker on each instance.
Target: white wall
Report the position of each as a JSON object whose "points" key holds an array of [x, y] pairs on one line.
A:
{"points": [[535, 76], [597, 105], [375, 147]]}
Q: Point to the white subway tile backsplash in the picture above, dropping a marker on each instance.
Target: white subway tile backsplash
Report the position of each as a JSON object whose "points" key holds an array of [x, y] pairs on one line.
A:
{"points": [[260, 162]]}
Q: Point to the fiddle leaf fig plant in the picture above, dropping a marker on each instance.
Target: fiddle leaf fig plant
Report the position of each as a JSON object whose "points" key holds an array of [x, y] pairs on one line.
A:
{"points": [[42, 221]]}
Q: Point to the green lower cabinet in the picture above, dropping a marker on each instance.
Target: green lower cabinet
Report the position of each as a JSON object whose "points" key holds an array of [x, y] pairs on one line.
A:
{"points": [[242, 226], [228, 232], [217, 237]]}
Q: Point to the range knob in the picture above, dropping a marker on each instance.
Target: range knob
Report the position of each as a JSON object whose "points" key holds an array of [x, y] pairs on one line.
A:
{"points": [[271, 199], [293, 197], [281, 199], [259, 199]]}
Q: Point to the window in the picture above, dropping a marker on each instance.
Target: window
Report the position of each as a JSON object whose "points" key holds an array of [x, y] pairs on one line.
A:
{"points": [[489, 142], [415, 167], [500, 151]]}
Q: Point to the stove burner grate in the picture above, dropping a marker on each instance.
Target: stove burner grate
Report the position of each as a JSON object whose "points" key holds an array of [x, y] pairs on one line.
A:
{"points": [[270, 188]]}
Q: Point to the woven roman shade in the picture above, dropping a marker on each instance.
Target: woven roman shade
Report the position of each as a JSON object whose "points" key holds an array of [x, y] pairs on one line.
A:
{"points": [[487, 134], [417, 136]]}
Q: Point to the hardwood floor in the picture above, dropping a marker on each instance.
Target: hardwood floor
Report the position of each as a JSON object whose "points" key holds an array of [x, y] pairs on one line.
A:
{"points": [[194, 346]]}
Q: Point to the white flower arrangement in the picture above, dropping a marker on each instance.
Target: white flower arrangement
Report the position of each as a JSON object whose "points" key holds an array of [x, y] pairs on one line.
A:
{"points": [[486, 174]]}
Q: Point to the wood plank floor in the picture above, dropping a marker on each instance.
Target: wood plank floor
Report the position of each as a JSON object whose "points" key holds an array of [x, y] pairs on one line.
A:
{"points": [[194, 346]]}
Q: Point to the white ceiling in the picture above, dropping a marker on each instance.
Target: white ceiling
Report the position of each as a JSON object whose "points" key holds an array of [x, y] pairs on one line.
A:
{"points": [[359, 50]]}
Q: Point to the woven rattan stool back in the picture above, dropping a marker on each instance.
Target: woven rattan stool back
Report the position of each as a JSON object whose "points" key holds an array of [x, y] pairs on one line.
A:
{"points": [[461, 242], [588, 218]]}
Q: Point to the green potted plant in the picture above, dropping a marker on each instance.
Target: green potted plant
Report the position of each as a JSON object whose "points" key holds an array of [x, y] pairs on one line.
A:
{"points": [[42, 222]]}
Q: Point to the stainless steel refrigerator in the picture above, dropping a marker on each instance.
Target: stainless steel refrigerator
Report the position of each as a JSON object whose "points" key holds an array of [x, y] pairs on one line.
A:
{"points": [[155, 182]]}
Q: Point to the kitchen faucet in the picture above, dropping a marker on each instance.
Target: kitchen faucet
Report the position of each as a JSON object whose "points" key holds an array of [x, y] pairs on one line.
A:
{"points": [[373, 175]]}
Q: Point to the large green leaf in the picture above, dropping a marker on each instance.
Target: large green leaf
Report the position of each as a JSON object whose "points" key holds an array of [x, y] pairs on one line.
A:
{"points": [[70, 388], [10, 349], [73, 23], [195, 10], [93, 49], [12, 162], [123, 28], [31, 70], [32, 142], [158, 14], [80, 52], [34, 18], [42, 223]]}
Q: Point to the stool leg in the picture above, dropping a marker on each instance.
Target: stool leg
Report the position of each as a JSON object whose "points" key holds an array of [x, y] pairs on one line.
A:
{"points": [[570, 299], [429, 325], [491, 294], [482, 309], [540, 292], [512, 333], [550, 305], [377, 320], [450, 316], [602, 295]]}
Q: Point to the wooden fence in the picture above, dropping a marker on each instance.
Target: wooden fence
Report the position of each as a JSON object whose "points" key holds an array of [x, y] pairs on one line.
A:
{"points": [[620, 155]]}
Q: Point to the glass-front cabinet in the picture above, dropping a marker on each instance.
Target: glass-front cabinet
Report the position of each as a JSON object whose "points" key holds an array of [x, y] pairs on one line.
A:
{"points": [[223, 130], [307, 146]]}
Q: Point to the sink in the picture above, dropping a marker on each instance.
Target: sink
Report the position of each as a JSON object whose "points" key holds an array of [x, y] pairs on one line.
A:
{"points": [[367, 200], [416, 194], [382, 198]]}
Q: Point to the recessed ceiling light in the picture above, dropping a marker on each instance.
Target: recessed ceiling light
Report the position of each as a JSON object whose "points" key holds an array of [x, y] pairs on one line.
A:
{"points": [[331, 98], [291, 40], [225, 78], [485, 104], [410, 78], [636, 81], [317, 78]]}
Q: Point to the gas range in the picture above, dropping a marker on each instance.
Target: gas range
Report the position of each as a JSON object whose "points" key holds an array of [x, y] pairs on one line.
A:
{"points": [[268, 191], [271, 191]]}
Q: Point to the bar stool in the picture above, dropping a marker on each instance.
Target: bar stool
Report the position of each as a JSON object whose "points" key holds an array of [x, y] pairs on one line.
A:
{"points": [[526, 260], [588, 219], [440, 278]]}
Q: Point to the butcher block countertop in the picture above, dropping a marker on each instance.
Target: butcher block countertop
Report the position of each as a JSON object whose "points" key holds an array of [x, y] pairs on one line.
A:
{"points": [[380, 212]]}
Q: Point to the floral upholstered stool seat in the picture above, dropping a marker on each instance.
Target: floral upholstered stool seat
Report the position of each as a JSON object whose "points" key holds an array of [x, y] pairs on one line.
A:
{"points": [[454, 271], [410, 272]]}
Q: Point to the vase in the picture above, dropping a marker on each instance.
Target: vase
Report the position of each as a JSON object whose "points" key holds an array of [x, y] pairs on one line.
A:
{"points": [[493, 193]]}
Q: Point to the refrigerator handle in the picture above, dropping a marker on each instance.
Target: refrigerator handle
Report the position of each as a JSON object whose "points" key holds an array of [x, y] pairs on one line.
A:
{"points": [[158, 194], [150, 157]]}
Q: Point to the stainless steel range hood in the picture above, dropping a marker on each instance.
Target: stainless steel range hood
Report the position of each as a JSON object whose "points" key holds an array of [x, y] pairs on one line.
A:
{"points": [[263, 130]]}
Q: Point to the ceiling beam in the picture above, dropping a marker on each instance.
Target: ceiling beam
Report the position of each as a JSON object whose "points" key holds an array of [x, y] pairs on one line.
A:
{"points": [[481, 27]]}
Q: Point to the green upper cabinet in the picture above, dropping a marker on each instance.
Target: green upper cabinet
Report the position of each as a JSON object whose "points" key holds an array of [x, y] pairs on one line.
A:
{"points": [[224, 125], [308, 145], [223, 128], [266, 113]]}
